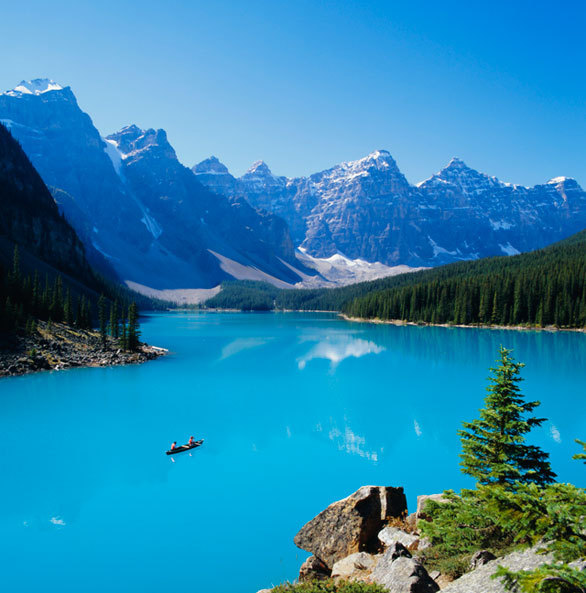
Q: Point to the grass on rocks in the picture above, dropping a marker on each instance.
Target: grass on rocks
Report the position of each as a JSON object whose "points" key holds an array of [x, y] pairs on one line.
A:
{"points": [[329, 586]]}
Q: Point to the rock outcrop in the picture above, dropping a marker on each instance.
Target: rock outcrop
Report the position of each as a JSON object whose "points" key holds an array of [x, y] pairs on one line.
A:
{"points": [[481, 558], [357, 566], [399, 572], [422, 501], [481, 581], [56, 346], [344, 543], [313, 569], [391, 535], [352, 524]]}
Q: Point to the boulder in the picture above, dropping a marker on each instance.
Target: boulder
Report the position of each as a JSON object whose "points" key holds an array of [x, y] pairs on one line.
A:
{"points": [[411, 521], [313, 569], [421, 502], [480, 558], [399, 572], [390, 535], [356, 566], [481, 581], [352, 524]]}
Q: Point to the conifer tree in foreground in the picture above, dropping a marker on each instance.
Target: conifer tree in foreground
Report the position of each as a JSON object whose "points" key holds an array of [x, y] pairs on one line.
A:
{"points": [[493, 447]]}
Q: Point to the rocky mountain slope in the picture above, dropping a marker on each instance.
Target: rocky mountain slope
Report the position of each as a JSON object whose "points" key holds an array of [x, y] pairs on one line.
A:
{"points": [[367, 209], [30, 218], [133, 202]]}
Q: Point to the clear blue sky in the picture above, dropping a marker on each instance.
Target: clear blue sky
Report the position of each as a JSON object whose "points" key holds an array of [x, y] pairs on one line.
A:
{"points": [[306, 84]]}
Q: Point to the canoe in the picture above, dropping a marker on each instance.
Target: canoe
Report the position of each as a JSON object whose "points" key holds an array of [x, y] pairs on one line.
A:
{"points": [[182, 448]]}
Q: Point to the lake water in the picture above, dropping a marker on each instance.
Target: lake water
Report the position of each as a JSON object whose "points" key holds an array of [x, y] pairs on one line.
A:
{"points": [[297, 410]]}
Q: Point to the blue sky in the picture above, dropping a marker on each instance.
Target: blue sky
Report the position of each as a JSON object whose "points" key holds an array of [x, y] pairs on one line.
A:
{"points": [[306, 84]]}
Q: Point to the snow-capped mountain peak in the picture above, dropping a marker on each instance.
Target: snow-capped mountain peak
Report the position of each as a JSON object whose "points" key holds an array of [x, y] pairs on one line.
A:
{"points": [[211, 166], [259, 177], [259, 168], [558, 180], [376, 155], [458, 175], [131, 140], [380, 159], [38, 86]]}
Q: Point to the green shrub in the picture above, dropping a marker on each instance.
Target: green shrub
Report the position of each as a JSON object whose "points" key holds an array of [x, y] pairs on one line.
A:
{"points": [[500, 519], [329, 586]]}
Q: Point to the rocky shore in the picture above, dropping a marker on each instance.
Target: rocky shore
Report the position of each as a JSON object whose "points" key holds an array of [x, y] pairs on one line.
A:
{"points": [[547, 328], [56, 346], [369, 537]]}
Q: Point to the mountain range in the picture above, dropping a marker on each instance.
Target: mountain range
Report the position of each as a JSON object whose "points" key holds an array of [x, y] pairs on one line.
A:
{"points": [[367, 209], [156, 224], [136, 206]]}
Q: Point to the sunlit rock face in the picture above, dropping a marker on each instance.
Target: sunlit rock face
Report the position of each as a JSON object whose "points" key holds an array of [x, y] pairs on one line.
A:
{"points": [[366, 209]]}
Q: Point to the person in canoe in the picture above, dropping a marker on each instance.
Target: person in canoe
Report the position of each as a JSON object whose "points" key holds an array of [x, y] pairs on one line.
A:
{"points": [[173, 445], [191, 441]]}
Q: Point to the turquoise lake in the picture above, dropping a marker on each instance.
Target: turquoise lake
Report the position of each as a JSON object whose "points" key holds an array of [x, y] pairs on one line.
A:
{"points": [[297, 410]]}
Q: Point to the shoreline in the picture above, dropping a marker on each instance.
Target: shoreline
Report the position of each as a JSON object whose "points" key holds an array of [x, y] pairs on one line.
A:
{"points": [[56, 347], [376, 320]]}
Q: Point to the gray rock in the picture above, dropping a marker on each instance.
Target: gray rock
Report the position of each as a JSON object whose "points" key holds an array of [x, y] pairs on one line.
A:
{"points": [[356, 566], [352, 524], [411, 521], [480, 558], [313, 569], [424, 543], [390, 535], [400, 573], [480, 581], [422, 501]]}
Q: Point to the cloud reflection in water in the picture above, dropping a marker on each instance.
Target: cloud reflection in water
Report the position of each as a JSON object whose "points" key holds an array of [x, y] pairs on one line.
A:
{"points": [[339, 349], [352, 443]]}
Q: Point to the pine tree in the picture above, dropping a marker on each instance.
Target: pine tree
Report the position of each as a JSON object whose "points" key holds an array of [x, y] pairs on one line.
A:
{"points": [[493, 447], [68, 308], [114, 325], [102, 317], [16, 265], [123, 341], [56, 309], [580, 456], [133, 332]]}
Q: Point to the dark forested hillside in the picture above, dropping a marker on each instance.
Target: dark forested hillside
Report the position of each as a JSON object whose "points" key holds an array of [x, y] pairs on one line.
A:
{"points": [[44, 273], [545, 287]]}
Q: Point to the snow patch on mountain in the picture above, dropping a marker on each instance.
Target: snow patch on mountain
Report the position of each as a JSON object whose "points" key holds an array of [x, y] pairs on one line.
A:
{"points": [[437, 249], [508, 249], [111, 149], [339, 270], [498, 225], [151, 224], [38, 86]]}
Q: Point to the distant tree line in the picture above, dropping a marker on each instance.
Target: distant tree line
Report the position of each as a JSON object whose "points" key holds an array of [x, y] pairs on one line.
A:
{"points": [[545, 287], [26, 298]]}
